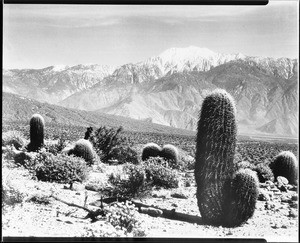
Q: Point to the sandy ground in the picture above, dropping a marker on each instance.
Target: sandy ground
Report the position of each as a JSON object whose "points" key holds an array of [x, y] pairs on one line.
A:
{"points": [[275, 218]]}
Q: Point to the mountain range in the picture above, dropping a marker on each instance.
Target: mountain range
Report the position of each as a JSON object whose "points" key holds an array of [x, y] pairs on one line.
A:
{"points": [[168, 89]]}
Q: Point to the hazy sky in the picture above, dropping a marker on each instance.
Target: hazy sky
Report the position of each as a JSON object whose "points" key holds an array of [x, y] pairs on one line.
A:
{"points": [[37, 36]]}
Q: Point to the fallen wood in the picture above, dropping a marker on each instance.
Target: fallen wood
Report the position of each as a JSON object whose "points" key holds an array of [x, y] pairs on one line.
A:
{"points": [[169, 214], [91, 214]]}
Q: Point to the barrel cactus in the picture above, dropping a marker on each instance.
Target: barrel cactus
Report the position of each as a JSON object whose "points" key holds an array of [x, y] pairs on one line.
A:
{"points": [[215, 171], [37, 125], [285, 164], [84, 149], [242, 197], [151, 150], [170, 152]]}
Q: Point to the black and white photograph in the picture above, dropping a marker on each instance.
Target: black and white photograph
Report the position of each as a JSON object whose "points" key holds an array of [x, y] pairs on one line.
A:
{"points": [[150, 121]]}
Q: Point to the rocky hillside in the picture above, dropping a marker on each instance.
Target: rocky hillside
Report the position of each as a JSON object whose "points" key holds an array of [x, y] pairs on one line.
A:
{"points": [[168, 89], [55, 83], [175, 100]]}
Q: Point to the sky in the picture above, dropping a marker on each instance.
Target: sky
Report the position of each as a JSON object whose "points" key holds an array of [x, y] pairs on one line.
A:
{"points": [[38, 36]]}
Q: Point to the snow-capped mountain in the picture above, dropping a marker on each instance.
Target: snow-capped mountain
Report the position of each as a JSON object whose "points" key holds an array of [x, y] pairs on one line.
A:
{"points": [[55, 83], [168, 89]]}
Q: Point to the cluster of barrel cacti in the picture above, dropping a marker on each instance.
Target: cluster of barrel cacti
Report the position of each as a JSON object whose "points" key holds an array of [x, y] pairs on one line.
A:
{"points": [[169, 152], [82, 148], [225, 196]]}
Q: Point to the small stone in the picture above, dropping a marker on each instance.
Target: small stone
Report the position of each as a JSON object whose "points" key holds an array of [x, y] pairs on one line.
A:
{"points": [[179, 195], [294, 198], [292, 213], [174, 205], [262, 196], [77, 187], [269, 205], [293, 204], [270, 183], [284, 226], [285, 200], [282, 180], [283, 188]]}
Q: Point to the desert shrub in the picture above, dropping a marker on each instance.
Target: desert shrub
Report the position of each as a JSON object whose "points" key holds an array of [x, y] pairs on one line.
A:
{"points": [[110, 144], [24, 158], [131, 183], [11, 195], [59, 168], [58, 147], [14, 138], [125, 154], [125, 217], [104, 140], [264, 173], [160, 174]]}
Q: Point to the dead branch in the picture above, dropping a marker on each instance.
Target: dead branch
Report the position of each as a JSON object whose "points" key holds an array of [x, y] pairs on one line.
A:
{"points": [[168, 214]]}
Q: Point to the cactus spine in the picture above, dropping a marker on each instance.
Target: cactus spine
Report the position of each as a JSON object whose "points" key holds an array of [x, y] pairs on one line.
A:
{"points": [[84, 149], [37, 125], [151, 150], [285, 164], [214, 167], [170, 152]]}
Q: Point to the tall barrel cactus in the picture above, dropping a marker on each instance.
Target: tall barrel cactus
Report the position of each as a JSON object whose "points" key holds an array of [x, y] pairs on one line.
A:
{"points": [[170, 152], [84, 149], [37, 125], [219, 185], [285, 164], [151, 150]]}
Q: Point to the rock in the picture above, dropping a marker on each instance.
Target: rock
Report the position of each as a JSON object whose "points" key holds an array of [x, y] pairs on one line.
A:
{"points": [[294, 197], [282, 180], [154, 212], [269, 205], [283, 188], [294, 205], [179, 195], [77, 187], [285, 199], [270, 183], [263, 196], [292, 213], [174, 205]]}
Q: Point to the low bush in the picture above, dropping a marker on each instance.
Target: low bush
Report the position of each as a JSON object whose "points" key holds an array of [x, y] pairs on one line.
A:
{"points": [[58, 168], [125, 217], [160, 174], [125, 154], [131, 183], [14, 138], [56, 148]]}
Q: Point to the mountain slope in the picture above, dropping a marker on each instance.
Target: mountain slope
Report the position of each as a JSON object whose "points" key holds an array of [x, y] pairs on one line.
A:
{"points": [[18, 108], [54, 83], [175, 99]]}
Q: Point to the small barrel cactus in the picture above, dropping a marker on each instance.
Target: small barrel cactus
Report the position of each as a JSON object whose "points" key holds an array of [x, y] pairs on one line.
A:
{"points": [[84, 149], [37, 125], [151, 150], [242, 198], [285, 164], [215, 168], [170, 152]]}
